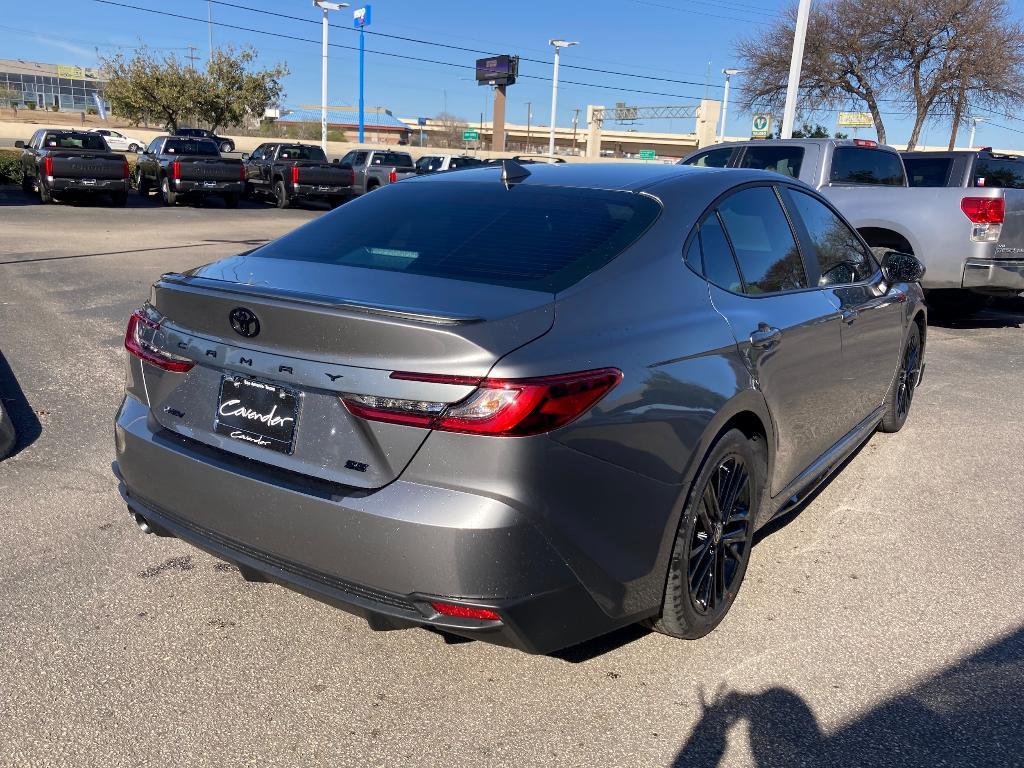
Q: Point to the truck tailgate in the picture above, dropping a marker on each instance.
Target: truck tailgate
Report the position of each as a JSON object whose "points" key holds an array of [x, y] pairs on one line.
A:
{"points": [[209, 169], [87, 165], [324, 174]]}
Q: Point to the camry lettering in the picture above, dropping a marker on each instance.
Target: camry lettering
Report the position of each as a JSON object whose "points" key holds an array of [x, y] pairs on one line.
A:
{"points": [[234, 408]]}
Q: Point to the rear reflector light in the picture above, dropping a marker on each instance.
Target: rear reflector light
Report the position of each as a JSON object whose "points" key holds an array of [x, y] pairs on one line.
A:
{"points": [[295, 174], [865, 143], [984, 210], [465, 612], [126, 170], [393, 177], [48, 166], [175, 170], [497, 407], [140, 340]]}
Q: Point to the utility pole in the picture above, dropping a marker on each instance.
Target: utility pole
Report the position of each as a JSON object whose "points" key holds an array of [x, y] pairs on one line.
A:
{"points": [[192, 56], [325, 6], [974, 127], [795, 65], [558, 45], [575, 124], [209, 24], [361, 17], [529, 114], [729, 72]]}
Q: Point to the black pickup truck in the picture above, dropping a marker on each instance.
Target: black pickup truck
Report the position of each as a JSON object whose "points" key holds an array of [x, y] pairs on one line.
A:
{"points": [[179, 167], [59, 161], [288, 172], [223, 144]]}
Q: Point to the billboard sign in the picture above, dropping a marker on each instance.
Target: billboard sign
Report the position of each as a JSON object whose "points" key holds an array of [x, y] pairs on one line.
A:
{"points": [[497, 70], [361, 17], [761, 126], [855, 120]]}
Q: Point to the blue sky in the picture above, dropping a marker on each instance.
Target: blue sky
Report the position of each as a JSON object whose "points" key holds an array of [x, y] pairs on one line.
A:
{"points": [[669, 39]]}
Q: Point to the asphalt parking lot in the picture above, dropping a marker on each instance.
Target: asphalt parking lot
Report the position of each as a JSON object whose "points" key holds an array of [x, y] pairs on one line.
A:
{"points": [[881, 625]]}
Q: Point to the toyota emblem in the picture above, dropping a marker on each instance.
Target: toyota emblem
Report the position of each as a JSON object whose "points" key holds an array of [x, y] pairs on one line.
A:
{"points": [[244, 322]]}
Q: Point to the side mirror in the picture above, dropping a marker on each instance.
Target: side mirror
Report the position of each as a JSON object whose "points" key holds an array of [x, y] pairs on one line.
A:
{"points": [[19, 144], [245, 156], [902, 268]]}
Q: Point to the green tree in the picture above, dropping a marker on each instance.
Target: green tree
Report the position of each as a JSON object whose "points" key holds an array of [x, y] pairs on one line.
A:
{"points": [[233, 90], [141, 86], [9, 95]]}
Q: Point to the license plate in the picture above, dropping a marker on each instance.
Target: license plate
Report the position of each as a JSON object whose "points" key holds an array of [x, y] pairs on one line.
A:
{"points": [[89, 182], [209, 183], [256, 413]]}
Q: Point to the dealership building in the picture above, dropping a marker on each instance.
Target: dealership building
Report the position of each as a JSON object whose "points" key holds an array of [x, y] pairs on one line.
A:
{"points": [[28, 84]]}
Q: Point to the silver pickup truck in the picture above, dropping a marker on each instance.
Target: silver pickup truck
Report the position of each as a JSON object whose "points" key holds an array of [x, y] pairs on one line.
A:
{"points": [[377, 167], [954, 231]]}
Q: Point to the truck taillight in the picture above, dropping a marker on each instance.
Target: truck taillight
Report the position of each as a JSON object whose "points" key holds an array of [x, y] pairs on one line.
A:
{"points": [[176, 170], [241, 173], [393, 177], [987, 214], [126, 170], [865, 143], [295, 174], [496, 407], [48, 166], [142, 341]]}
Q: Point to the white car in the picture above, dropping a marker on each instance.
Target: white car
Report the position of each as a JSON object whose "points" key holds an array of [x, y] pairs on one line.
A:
{"points": [[118, 141], [435, 163]]}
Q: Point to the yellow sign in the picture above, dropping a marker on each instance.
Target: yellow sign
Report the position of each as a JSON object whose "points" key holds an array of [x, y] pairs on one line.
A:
{"points": [[72, 72], [855, 120], [761, 126]]}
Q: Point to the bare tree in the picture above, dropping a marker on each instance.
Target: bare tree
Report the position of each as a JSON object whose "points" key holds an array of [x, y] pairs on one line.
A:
{"points": [[451, 129]]}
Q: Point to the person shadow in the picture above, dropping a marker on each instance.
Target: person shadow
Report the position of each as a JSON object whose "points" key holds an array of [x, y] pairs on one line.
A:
{"points": [[970, 714]]}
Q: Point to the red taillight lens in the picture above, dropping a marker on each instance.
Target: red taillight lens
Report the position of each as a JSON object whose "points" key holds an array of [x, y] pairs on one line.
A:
{"points": [[865, 143], [140, 340], [175, 170], [295, 174], [126, 170], [352, 181], [241, 173], [497, 407], [465, 611], [984, 210], [393, 177], [47, 166]]}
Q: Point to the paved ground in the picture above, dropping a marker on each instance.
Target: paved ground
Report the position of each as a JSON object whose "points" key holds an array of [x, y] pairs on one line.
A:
{"points": [[882, 625]]}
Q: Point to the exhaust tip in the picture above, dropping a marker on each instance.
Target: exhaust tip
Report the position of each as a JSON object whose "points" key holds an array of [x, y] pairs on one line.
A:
{"points": [[143, 523]]}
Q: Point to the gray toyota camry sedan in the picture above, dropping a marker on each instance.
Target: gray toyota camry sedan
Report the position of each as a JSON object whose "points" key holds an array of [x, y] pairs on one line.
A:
{"points": [[527, 405]]}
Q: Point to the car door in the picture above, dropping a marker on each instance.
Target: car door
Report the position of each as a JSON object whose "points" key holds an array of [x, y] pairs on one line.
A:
{"points": [[115, 140], [254, 167], [148, 163], [872, 310], [786, 330]]}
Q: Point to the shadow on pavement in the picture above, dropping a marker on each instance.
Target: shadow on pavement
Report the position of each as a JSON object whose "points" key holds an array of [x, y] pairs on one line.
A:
{"points": [[1000, 313], [970, 714], [27, 426]]}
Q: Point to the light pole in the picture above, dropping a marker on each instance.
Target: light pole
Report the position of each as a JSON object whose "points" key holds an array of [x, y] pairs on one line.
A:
{"points": [[725, 98], [795, 64], [361, 18], [974, 126], [325, 7], [558, 46]]}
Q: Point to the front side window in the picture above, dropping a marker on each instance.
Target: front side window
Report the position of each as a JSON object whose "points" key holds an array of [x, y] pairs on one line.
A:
{"points": [[75, 141], [763, 241], [784, 160], [715, 158], [841, 257], [865, 165], [1005, 174], [201, 147]]}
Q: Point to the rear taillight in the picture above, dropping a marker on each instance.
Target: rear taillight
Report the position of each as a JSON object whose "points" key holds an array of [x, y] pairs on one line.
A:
{"points": [[987, 214], [141, 340], [48, 167], [295, 174], [464, 611], [393, 177], [176, 170], [241, 173], [126, 170], [497, 407], [352, 180]]}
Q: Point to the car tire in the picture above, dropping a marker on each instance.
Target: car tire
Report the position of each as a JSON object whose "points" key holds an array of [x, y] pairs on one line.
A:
{"points": [[45, 196], [900, 396], [168, 195], [227, 146], [281, 195], [335, 202], [372, 186], [141, 184], [26, 184], [247, 191], [712, 545], [119, 199], [230, 201], [133, 148]]}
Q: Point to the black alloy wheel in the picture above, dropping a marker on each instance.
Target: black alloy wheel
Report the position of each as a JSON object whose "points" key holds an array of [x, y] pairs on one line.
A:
{"points": [[900, 396]]}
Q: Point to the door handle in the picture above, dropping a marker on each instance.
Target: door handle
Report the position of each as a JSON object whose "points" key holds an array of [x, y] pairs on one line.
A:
{"points": [[765, 337], [849, 315]]}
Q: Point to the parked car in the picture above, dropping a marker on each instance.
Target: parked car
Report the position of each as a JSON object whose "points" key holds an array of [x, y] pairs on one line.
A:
{"points": [[62, 161], [996, 268], [287, 172], [177, 167], [971, 240], [526, 407], [436, 163], [118, 141], [223, 143], [376, 168]]}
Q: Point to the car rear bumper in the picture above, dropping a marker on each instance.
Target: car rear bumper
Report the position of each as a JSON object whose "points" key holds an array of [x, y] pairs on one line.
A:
{"points": [[994, 275], [113, 186], [382, 554], [187, 187], [313, 191]]}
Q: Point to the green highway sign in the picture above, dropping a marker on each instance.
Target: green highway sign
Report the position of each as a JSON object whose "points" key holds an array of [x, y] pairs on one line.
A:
{"points": [[470, 135], [761, 126], [647, 154]]}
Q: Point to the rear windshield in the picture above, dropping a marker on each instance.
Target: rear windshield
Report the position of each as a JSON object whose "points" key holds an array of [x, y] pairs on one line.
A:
{"points": [[533, 237], [74, 141], [992, 172], [302, 152], [784, 160], [860, 165], [928, 171], [399, 159], [191, 147]]}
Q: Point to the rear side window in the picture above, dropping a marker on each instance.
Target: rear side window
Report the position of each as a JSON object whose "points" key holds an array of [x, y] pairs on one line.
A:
{"points": [[992, 172], [715, 158], [841, 257], [784, 160], [719, 265], [763, 241], [928, 171], [201, 147], [302, 152], [74, 141], [862, 165], [399, 159], [532, 237]]}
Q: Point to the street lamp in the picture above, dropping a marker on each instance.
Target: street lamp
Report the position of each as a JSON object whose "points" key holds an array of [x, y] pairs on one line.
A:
{"points": [[325, 7], [795, 64], [974, 126], [558, 46], [725, 98]]}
